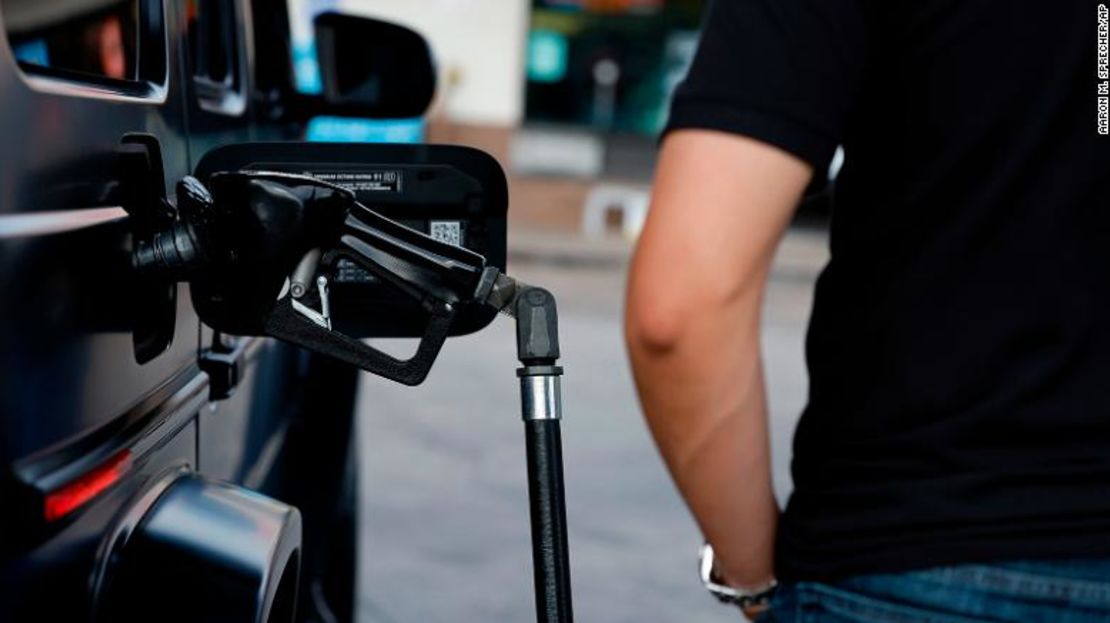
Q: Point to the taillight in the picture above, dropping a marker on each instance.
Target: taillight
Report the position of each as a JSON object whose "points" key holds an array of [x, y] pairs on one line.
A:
{"points": [[76, 493]]}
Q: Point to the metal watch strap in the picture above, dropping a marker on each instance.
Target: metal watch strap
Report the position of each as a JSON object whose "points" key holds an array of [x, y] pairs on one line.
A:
{"points": [[745, 599]]}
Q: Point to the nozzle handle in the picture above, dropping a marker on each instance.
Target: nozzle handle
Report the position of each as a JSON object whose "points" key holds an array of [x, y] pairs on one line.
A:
{"points": [[423, 267]]}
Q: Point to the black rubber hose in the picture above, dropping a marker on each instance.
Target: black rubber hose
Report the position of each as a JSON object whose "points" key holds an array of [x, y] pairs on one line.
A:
{"points": [[550, 555]]}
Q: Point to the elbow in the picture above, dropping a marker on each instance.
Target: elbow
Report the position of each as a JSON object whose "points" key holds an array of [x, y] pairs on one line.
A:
{"points": [[659, 321], [653, 326]]}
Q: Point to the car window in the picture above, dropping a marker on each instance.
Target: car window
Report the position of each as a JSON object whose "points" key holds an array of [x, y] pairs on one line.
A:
{"points": [[97, 38], [90, 48]]}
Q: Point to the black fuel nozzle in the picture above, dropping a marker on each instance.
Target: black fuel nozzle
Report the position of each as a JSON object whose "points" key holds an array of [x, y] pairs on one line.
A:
{"points": [[441, 276], [256, 248], [254, 218]]}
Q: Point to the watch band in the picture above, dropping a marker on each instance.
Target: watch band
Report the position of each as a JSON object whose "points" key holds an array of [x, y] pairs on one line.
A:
{"points": [[756, 599]]}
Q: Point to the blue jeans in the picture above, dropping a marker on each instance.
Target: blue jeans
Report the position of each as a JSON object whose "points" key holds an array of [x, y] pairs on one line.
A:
{"points": [[1073, 591]]}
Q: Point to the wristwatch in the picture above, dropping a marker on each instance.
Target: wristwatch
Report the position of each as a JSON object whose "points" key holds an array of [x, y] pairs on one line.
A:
{"points": [[751, 601]]}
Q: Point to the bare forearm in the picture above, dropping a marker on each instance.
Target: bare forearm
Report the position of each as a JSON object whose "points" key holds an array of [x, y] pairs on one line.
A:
{"points": [[705, 403], [720, 205]]}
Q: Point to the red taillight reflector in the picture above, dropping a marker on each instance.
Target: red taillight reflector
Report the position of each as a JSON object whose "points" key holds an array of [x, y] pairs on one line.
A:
{"points": [[76, 493]]}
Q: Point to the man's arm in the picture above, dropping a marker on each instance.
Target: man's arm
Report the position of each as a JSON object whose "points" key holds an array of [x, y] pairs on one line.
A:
{"points": [[720, 204]]}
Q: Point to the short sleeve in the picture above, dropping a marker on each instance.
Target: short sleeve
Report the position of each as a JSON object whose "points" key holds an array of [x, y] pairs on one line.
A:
{"points": [[786, 72]]}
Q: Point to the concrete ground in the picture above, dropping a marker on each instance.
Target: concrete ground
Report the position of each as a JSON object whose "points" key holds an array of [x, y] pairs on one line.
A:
{"points": [[443, 490]]}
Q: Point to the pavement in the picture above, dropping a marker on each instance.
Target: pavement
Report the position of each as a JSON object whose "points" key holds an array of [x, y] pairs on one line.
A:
{"points": [[444, 511]]}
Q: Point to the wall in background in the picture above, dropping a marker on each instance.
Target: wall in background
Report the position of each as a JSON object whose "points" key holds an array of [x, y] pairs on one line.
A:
{"points": [[479, 45]]}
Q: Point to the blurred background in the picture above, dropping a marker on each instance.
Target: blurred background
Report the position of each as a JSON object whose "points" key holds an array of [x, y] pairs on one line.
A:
{"points": [[569, 96]]}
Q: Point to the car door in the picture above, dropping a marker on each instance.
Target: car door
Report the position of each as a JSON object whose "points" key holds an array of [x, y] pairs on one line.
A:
{"points": [[68, 363]]}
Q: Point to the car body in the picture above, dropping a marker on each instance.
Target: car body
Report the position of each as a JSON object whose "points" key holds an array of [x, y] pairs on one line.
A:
{"points": [[112, 391]]}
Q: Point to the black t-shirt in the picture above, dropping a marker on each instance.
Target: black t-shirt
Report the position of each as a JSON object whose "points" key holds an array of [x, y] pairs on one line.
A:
{"points": [[959, 347]]}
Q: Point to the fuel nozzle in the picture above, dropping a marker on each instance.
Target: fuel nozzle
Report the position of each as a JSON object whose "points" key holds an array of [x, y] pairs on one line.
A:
{"points": [[259, 248], [256, 219]]}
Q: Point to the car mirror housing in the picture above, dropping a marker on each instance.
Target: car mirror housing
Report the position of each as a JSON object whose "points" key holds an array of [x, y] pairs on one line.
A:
{"points": [[372, 68]]}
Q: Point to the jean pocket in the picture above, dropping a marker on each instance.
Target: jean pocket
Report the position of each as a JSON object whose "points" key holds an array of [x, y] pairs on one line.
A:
{"points": [[821, 603]]}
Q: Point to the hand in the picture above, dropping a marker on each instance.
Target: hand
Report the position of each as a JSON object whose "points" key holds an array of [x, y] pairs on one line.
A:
{"points": [[751, 613]]}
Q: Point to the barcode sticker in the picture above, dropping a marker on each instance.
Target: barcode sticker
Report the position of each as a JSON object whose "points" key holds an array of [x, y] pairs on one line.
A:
{"points": [[446, 231]]}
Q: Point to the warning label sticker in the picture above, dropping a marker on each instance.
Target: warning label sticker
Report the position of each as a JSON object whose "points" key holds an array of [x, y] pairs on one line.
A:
{"points": [[362, 181], [349, 272]]}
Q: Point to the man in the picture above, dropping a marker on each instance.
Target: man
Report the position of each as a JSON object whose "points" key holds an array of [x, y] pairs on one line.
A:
{"points": [[953, 462]]}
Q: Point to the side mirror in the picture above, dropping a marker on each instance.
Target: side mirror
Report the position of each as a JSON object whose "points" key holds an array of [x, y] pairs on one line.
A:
{"points": [[371, 68]]}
